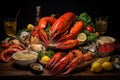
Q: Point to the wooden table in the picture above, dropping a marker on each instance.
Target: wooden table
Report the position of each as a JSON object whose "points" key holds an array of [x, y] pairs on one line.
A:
{"points": [[11, 71]]}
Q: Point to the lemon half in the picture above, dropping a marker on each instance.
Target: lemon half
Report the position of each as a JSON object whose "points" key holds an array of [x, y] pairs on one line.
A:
{"points": [[82, 37]]}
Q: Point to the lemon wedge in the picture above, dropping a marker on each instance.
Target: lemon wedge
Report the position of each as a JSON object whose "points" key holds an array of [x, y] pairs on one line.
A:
{"points": [[45, 59], [82, 37]]}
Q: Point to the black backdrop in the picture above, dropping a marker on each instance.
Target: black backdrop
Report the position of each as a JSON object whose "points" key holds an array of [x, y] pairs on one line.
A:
{"points": [[96, 8]]}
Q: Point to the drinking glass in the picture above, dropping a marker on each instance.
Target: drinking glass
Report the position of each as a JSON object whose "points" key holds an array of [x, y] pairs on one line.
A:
{"points": [[10, 25], [101, 24]]}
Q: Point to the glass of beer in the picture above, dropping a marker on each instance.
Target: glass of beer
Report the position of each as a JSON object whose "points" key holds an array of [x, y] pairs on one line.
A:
{"points": [[101, 24], [10, 25]]}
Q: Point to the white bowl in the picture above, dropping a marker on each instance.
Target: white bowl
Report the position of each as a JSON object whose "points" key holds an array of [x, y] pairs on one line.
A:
{"points": [[24, 58], [107, 39]]}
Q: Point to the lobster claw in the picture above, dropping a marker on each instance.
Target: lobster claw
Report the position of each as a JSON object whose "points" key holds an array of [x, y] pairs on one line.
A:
{"points": [[67, 44], [62, 22], [44, 21]]}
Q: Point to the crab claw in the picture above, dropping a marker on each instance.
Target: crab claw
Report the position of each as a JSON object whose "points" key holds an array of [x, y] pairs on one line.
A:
{"points": [[67, 44]]}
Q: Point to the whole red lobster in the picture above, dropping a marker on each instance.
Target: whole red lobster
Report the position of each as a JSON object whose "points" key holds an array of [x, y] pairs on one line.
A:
{"points": [[62, 32]]}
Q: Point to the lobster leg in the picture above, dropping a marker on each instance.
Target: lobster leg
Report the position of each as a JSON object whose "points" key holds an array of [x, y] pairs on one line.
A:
{"points": [[67, 44], [61, 63], [43, 36], [72, 65], [57, 56]]}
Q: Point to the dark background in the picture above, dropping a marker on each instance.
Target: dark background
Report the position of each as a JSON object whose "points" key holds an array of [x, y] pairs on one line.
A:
{"points": [[96, 8]]}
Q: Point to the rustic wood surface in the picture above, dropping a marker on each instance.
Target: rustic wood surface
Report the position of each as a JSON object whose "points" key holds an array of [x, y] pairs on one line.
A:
{"points": [[13, 71]]}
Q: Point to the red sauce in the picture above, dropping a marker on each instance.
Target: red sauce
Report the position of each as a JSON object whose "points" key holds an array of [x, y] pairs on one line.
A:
{"points": [[107, 47]]}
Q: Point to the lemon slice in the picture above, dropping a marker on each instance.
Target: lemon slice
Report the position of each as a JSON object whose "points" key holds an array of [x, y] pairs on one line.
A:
{"points": [[82, 37], [30, 26]]}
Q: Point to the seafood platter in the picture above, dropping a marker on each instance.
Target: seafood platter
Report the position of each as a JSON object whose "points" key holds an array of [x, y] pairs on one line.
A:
{"points": [[63, 44]]}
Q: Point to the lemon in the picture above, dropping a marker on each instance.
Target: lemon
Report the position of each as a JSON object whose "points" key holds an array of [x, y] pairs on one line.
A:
{"points": [[45, 59], [82, 37], [102, 60], [97, 34], [107, 66], [30, 26], [96, 67]]}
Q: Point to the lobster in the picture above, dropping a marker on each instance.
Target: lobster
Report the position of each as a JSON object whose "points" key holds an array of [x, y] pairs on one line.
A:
{"points": [[62, 32], [66, 64], [39, 32], [6, 55]]}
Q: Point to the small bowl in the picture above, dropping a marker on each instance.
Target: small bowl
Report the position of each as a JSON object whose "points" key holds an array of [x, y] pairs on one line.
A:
{"points": [[36, 68], [25, 57], [107, 39], [116, 61], [105, 54]]}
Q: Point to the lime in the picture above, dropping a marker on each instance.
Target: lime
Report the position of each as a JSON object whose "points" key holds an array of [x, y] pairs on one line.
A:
{"points": [[107, 66], [30, 26], [45, 59], [82, 37], [96, 67]]}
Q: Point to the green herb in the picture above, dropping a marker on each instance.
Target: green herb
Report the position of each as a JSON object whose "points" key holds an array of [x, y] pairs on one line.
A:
{"points": [[47, 29], [50, 53], [90, 36], [86, 18], [40, 55], [53, 15]]}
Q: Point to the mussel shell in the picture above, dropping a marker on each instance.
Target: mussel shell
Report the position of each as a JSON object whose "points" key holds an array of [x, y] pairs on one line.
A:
{"points": [[38, 69], [116, 61]]}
